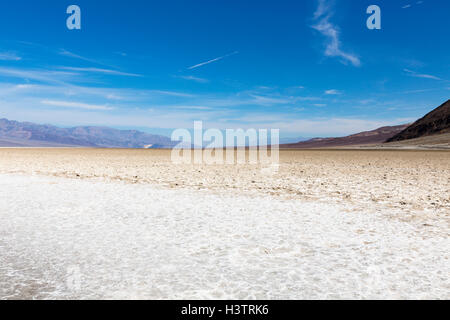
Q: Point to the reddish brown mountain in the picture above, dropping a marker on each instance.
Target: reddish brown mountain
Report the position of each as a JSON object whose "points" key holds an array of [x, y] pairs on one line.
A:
{"points": [[435, 122], [364, 138]]}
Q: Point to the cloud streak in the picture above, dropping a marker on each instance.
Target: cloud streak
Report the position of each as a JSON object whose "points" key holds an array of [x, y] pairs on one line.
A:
{"points": [[410, 5], [66, 53], [77, 105], [212, 60], [73, 105], [332, 92], [196, 79], [419, 75], [47, 76], [99, 70], [9, 56], [333, 46]]}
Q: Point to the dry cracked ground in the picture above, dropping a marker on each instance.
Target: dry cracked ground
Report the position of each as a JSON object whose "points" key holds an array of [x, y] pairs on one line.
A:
{"points": [[416, 182], [132, 224]]}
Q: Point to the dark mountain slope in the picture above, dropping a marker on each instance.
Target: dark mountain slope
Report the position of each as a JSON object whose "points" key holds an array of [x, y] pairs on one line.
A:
{"points": [[435, 122], [368, 137]]}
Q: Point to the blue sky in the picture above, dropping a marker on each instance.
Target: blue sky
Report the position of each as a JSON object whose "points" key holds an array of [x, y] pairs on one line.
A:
{"points": [[309, 68]]}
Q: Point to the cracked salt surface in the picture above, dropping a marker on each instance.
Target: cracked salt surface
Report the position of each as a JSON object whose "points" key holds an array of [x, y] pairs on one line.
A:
{"points": [[65, 238]]}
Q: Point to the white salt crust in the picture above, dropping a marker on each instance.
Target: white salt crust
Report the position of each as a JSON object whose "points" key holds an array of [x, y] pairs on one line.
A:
{"points": [[66, 238]]}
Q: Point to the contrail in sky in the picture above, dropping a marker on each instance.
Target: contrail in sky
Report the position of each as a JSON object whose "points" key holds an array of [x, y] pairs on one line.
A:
{"points": [[213, 60]]}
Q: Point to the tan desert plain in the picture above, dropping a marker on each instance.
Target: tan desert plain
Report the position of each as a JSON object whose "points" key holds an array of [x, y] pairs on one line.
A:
{"points": [[128, 223]]}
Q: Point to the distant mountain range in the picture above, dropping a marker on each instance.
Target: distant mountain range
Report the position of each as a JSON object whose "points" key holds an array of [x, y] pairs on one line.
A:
{"points": [[431, 129], [368, 137], [435, 122], [26, 134], [292, 140]]}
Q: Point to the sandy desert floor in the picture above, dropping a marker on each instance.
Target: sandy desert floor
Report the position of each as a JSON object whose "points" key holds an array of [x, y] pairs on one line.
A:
{"points": [[90, 223]]}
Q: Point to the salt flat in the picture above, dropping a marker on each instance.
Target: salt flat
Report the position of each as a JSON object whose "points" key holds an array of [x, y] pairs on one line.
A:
{"points": [[96, 238], [96, 223], [416, 182]]}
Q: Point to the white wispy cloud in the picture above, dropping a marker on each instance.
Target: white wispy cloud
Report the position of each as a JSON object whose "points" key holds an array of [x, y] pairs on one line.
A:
{"points": [[417, 91], [173, 93], [9, 56], [73, 105], [77, 105], [323, 7], [332, 92], [191, 107], [213, 60], [268, 100], [419, 75], [196, 79], [102, 98], [48, 76], [66, 53], [410, 5], [333, 47], [99, 70], [33, 93]]}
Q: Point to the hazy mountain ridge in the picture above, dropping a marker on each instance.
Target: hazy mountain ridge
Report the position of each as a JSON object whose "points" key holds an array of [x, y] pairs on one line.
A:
{"points": [[367, 137], [14, 133], [26, 134], [433, 129]]}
